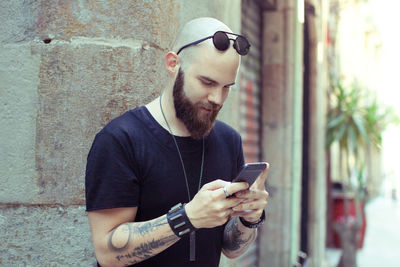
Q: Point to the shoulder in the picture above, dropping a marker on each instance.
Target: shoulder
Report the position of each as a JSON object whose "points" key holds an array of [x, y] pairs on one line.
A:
{"points": [[223, 130], [124, 124], [224, 135], [121, 131]]}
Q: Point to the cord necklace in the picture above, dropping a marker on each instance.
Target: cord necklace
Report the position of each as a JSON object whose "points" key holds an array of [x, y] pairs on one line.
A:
{"points": [[192, 241], [180, 155]]}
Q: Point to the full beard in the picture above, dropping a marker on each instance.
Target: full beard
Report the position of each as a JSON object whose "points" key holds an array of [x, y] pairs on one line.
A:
{"points": [[197, 123]]}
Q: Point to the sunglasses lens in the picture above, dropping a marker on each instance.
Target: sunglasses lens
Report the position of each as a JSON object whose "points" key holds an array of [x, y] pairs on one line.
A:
{"points": [[221, 41], [242, 45]]}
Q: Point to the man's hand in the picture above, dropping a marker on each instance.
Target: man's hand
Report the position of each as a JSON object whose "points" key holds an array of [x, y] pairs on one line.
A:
{"points": [[254, 200], [210, 207]]}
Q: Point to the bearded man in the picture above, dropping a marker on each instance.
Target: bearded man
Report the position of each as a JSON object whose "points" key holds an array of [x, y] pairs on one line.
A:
{"points": [[158, 178]]}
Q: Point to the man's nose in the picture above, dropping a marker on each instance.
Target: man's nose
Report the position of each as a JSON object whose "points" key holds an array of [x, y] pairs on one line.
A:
{"points": [[216, 96]]}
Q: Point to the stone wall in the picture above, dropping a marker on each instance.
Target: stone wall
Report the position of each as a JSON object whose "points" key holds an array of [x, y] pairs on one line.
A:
{"points": [[66, 69]]}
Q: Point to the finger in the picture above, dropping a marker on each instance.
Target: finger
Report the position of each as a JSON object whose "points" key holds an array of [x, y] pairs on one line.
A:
{"points": [[252, 194], [231, 188], [214, 185], [228, 200], [260, 181], [229, 203], [236, 187], [253, 205]]}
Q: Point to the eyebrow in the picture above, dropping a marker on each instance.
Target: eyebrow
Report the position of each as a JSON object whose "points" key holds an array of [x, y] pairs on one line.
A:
{"points": [[211, 80]]}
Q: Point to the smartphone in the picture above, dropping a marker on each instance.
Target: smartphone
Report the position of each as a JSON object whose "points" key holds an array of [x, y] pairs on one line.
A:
{"points": [[250, 172]]}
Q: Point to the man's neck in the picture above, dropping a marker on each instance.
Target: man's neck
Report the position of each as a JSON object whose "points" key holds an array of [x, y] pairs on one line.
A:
{"points": [[176, 125]]}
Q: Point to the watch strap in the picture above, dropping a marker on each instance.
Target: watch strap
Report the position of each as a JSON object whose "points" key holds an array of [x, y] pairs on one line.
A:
{"points": [[253, 225], [179, 221]]}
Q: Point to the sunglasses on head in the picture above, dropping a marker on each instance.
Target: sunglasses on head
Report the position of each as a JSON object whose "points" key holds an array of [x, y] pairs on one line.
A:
{"points": [[222, 42]]}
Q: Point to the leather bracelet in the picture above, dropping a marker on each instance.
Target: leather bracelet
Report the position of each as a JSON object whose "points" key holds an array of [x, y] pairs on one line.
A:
{"points": [[179, 221], [253, 225]]}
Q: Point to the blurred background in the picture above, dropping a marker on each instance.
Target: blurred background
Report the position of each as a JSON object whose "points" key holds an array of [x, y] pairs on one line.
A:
{"points": [[316, 97]]}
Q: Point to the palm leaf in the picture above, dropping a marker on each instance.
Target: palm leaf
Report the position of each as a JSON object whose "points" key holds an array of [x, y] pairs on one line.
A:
{"points": [[336, 121], [359, 123]]}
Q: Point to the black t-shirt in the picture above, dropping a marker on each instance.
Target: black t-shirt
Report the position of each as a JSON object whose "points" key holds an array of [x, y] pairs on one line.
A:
{"points": [[133, 162]]}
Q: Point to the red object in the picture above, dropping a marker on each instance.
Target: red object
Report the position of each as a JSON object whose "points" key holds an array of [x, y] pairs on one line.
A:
{"points": [[339, 216]]}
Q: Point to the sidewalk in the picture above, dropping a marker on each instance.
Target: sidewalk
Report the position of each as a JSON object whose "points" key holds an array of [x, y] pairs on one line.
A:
{"points": [[382, 239]]}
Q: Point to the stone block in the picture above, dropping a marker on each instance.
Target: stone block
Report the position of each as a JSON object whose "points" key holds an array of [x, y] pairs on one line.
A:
{"points": [[151, 21], [18, 108], [82, 86], [273, 38], [17, 18], [45, 236]]}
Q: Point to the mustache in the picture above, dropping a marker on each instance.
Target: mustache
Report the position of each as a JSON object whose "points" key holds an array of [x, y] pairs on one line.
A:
{"points": [[210, 106]]}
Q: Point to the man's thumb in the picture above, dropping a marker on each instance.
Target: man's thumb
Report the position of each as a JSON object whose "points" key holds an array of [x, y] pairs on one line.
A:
{"points": [[214, 185]]}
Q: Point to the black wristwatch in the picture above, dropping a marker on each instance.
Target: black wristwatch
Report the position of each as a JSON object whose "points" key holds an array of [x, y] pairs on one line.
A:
{"points": [[253, 225], [179, 221]]}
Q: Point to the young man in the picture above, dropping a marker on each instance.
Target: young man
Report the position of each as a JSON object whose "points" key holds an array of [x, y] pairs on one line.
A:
{"points": [[173, 151]]}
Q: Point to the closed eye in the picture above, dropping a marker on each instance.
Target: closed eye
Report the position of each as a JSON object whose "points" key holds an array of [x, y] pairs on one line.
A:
{"points": [[207, 82], [211, 83]]}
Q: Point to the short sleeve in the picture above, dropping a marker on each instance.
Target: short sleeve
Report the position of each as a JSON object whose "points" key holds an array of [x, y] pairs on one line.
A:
{"points": [[110, 180]]}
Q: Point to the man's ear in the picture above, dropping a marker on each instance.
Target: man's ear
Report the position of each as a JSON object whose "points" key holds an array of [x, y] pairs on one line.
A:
{"points": [[172, 62]]}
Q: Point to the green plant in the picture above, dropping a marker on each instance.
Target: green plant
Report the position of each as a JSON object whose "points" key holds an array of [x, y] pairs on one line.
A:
{"points": [[355, 122], [347, 127], [377, 118]]}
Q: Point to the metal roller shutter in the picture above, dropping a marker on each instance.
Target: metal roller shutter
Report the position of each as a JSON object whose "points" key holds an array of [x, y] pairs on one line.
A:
{"points": [[250, 99], [250, 81]]}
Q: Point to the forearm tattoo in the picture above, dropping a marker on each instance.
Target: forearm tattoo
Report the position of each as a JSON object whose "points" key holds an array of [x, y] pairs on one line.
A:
{"points": [[234, 239], [145, 249]]}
